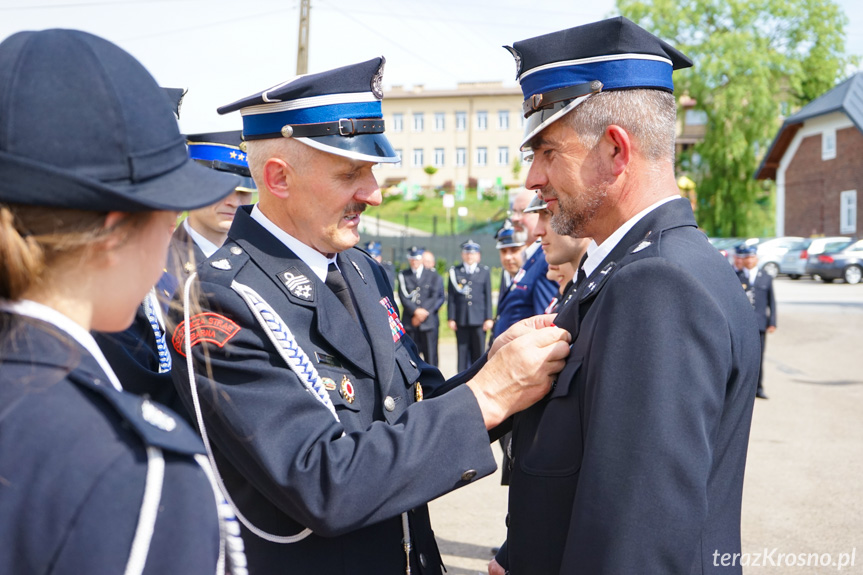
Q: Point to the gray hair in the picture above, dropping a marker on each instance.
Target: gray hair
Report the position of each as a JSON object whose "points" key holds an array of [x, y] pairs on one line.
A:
{"points": [[649, 116], [259, 151]]}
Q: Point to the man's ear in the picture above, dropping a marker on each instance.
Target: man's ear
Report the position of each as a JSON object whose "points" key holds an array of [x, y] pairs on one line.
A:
{"points": [[618, 148], [278, 177]]}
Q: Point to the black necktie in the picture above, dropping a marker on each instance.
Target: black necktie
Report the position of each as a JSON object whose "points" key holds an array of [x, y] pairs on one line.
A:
{"points": [[339, 286]]}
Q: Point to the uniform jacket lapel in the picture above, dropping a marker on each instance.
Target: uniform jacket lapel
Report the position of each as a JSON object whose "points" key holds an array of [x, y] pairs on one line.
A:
{"points": [[358, 274], [334, 323]]}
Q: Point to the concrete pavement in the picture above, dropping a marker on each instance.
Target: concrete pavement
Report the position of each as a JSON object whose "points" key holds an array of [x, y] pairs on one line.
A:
{"points": [[803, 491]]}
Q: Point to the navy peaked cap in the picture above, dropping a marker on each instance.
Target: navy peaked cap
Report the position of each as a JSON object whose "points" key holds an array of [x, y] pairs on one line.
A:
{"points": [[85, 126], [337, 111], [470, 246], [536, 204], [221, 151], [560, 70], [506, 238], [373, 248], [415, 252], [745, 250]]}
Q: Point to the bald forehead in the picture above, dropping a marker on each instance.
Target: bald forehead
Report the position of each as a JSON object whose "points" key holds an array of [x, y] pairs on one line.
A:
{"points": [[522, 200]]}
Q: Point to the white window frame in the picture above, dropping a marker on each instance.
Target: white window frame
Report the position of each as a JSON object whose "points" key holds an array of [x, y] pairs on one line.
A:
{"points": [[398, 122], [828, 144], [417, 153], [400, 155], [503, 119], [461, 157], [460, 121], [439, 122], [503, 155], [418, 121], [482, 156], [482, 120], [848, 212], [438, 157]]}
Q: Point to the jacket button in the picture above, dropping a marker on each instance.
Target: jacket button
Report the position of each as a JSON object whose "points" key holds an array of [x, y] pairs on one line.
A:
{"points": [[468, 475], [389, 403], [423, 561]]}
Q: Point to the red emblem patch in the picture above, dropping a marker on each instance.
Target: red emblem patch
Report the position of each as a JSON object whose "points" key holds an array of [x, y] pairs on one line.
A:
{"points": [[205, 327]]}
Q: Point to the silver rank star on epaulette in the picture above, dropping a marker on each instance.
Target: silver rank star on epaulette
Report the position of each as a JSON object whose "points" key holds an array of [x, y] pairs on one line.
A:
{"points": [[222, 264], [156, 417]]}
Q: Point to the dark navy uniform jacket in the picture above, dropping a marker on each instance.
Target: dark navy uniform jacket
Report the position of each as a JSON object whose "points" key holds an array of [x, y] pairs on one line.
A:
{"points": [[469, 295], [73, 462], [286, 461], [529, 293], [634, 462], [427, 292], [761, 295]]}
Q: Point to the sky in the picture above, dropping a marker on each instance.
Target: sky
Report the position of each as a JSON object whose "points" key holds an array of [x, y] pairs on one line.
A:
{"points": [[224, 50]]}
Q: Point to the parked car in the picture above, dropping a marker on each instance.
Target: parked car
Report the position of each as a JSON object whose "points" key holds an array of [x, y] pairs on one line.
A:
{"points": [[771, 251], [795, 259], [845, 263]]}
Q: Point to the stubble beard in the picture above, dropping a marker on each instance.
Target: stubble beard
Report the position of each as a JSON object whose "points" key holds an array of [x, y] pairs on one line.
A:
{"points": [[574, 213]]}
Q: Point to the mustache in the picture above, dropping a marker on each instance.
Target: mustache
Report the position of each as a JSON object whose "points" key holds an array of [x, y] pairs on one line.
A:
{"points": [[355, 208]]}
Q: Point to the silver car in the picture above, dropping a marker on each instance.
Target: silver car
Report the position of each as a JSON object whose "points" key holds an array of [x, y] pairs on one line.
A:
{"points": [[794, 261]]}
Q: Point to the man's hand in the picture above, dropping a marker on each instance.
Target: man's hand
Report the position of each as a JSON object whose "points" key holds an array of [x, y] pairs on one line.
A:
{"points": [[520, 328], [494, 568], [521, 374], [452, 325], [420, 315], [487, 324]]}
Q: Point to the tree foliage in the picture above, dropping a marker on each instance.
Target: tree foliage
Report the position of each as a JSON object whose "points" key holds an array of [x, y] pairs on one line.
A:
{"points": [[753, 59]]}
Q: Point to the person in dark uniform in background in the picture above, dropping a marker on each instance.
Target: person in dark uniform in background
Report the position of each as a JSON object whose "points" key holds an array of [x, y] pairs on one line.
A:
{"points": [[421, 294], [511, 252], [758, 285], [469, 304], [94, 479], [328, 431], [374, 250], [634, 462], [530, 291]]}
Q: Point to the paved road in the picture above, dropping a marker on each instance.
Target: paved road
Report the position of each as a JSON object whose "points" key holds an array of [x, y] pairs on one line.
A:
{"points": [[803, 491]]}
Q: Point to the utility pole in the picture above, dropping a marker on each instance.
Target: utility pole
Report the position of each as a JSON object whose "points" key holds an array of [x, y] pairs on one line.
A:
{"points": [[303, 38]]}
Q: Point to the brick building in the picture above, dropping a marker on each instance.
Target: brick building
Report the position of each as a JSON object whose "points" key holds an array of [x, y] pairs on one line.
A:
{"points": [[817, 162]]}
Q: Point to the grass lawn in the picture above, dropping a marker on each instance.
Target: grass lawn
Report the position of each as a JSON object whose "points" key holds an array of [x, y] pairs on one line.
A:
{"points": [[427, 213]]}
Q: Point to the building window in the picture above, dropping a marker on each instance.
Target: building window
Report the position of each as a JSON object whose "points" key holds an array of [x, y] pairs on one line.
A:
{"points": [[460, 121], [482, 120], [461, 157], [399, 163], [481, 156], [417, 158], [438, 157], [398, 122], [439, 122], [503, 120], [828, 144], [696, 118], [418, 122], [503, 156], [848, 215]]}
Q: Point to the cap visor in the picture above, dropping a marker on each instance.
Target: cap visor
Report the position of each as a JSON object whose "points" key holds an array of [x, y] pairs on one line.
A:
{"points": [[541, 119], [365, 147]]}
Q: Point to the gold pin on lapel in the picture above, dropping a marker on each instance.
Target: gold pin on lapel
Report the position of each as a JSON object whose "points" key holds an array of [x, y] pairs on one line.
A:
{"points": [[347, 390]]}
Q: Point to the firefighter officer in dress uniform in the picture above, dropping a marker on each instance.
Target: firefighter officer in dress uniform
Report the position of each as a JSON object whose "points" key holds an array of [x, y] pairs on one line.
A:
{"points": [[421, 294], [327, 430], [758, 286], [469, 311]]}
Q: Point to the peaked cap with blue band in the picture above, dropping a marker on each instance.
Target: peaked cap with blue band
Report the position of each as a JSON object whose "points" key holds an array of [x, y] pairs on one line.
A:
{"points": [[470, 246], [558, 71], [221, 151], [337, 111]]}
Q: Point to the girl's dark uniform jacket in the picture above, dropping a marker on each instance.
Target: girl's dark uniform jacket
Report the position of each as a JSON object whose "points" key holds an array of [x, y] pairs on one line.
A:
{"points": [[286, 461], [634, 462], [73, 464]]}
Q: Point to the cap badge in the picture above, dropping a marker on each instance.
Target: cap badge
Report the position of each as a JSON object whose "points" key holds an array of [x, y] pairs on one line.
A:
{"points": [[347, 390], [377, 89], [156, 417], [298, 284]]}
